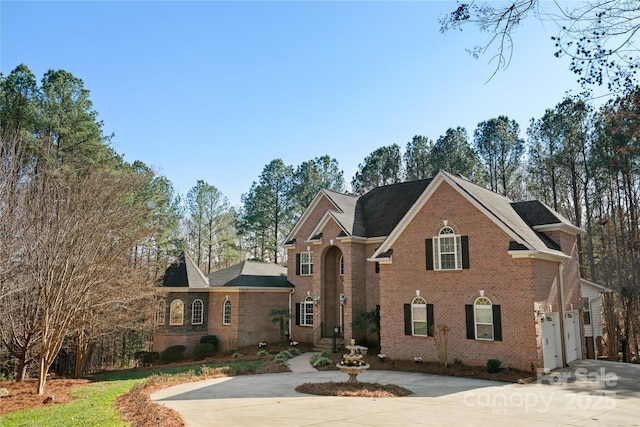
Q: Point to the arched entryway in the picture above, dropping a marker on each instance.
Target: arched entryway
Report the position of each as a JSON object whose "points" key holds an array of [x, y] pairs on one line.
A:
{"points": [[332, 310]]}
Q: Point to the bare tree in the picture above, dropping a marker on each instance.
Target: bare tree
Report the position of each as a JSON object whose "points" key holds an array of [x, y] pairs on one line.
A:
{"points": [[599, 36]]}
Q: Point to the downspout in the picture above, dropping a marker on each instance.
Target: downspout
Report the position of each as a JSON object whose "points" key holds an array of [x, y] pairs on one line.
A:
{"points": [[593, 327], [289, 321], [562, 341]]}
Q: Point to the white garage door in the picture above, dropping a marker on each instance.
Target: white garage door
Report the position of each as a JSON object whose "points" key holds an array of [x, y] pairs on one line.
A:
{"points": [[550, 355], [571, 335]]}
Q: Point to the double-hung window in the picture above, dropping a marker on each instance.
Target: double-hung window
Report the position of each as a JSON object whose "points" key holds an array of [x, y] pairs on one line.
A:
{"points": [[226, 313], [419, 317], [197, 312], [176, 312], [306, 263], [483, 314], [448, 250], [306, 312], [160, 312]]}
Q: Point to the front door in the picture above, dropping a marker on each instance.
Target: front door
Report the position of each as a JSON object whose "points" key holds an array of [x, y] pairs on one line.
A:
{"points": [[331, 291]]}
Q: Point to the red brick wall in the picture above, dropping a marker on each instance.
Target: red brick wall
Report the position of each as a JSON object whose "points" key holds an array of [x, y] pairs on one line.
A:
{"points": [[254, 322], [505, 281]]}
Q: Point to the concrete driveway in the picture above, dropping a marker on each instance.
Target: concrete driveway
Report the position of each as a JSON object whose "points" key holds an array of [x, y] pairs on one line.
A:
{"points": [[590, 393]]}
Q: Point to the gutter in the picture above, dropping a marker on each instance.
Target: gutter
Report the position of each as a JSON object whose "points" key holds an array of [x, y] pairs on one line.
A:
{"points": [[289, 320], [561, 285]]}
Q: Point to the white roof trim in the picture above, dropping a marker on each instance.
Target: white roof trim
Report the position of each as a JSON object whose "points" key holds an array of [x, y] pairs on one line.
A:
{"points": [[328, 215], [422, 200], [600, 288], [307, 212], [221, 289], [560, 226], [549, 255], [359, 239]]}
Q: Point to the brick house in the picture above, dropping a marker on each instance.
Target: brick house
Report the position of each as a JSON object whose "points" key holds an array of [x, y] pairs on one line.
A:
{"points": [[502, 276], [232, 303]]}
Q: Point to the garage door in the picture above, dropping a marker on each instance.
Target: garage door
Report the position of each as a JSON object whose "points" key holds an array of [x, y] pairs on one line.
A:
{"points": [[550, 355], [571, 335]]}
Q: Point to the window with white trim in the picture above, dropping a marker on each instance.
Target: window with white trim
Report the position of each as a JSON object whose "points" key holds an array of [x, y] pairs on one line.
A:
{"points": [[341, 265], [419, 324], [306, 263], [306, 312], [586, 310], [197, 312], [447, 250], [226, 313], [483, 318], [160, 312], [176, 312]]}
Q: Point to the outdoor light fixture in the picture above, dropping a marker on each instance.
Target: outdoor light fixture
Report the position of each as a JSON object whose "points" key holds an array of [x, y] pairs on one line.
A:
{"points": [[343, 299], [316, 299]]}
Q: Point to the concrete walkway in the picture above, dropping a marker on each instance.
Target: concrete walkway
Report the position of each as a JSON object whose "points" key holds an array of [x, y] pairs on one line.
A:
{"points": [[589, 393]]}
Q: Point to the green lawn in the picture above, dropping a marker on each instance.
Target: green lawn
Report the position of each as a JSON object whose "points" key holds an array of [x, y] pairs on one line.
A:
{"points": [[94, 403]]}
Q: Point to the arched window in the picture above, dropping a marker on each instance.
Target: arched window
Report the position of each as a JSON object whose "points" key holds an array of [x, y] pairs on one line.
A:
{"points": [[419, 317], [226, 313], [197, 310], [306, 312], [176, 312], [447, 249], [160, 308], [483, 315]]}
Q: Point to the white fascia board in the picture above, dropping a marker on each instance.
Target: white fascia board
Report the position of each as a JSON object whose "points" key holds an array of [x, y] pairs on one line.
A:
{"points": [[222, 289], [550, 255], [358, 239], [322, 223], [386, 260], [560, 226], [594, 285], [307, 212]]}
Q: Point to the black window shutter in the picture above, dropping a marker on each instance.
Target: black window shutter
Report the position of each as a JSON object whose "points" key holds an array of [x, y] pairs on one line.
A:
{"points": [[297, 264], [408, 330], [298, 313], [428, 246], [377, 267], [471, 324], [311, 269], [497, 323], [430, 324], [464, 241]]}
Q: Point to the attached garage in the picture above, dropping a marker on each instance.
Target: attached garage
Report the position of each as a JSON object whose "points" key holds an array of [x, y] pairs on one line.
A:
{"points": [[550, 332], [572, 336]]}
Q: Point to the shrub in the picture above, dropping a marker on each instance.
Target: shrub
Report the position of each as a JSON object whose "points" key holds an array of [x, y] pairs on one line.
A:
{"points": [[146, 358], [283, 356], [210, 339], [321, 359], [174, 353], [493, 366], [235, 355], [203, 350], [293, 351], [262, 353]]}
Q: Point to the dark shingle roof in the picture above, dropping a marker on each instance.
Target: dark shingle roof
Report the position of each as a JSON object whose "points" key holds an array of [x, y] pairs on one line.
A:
{"points": [[535, 213], [381, 209], [176, 274], [250, 274]]}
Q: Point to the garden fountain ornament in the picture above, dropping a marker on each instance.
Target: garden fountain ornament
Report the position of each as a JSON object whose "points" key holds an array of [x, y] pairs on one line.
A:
{"points": [[353, 363]]}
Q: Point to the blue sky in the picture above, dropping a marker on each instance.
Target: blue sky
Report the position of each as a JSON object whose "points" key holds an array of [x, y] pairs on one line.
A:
{"points": [[215, 90]]}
